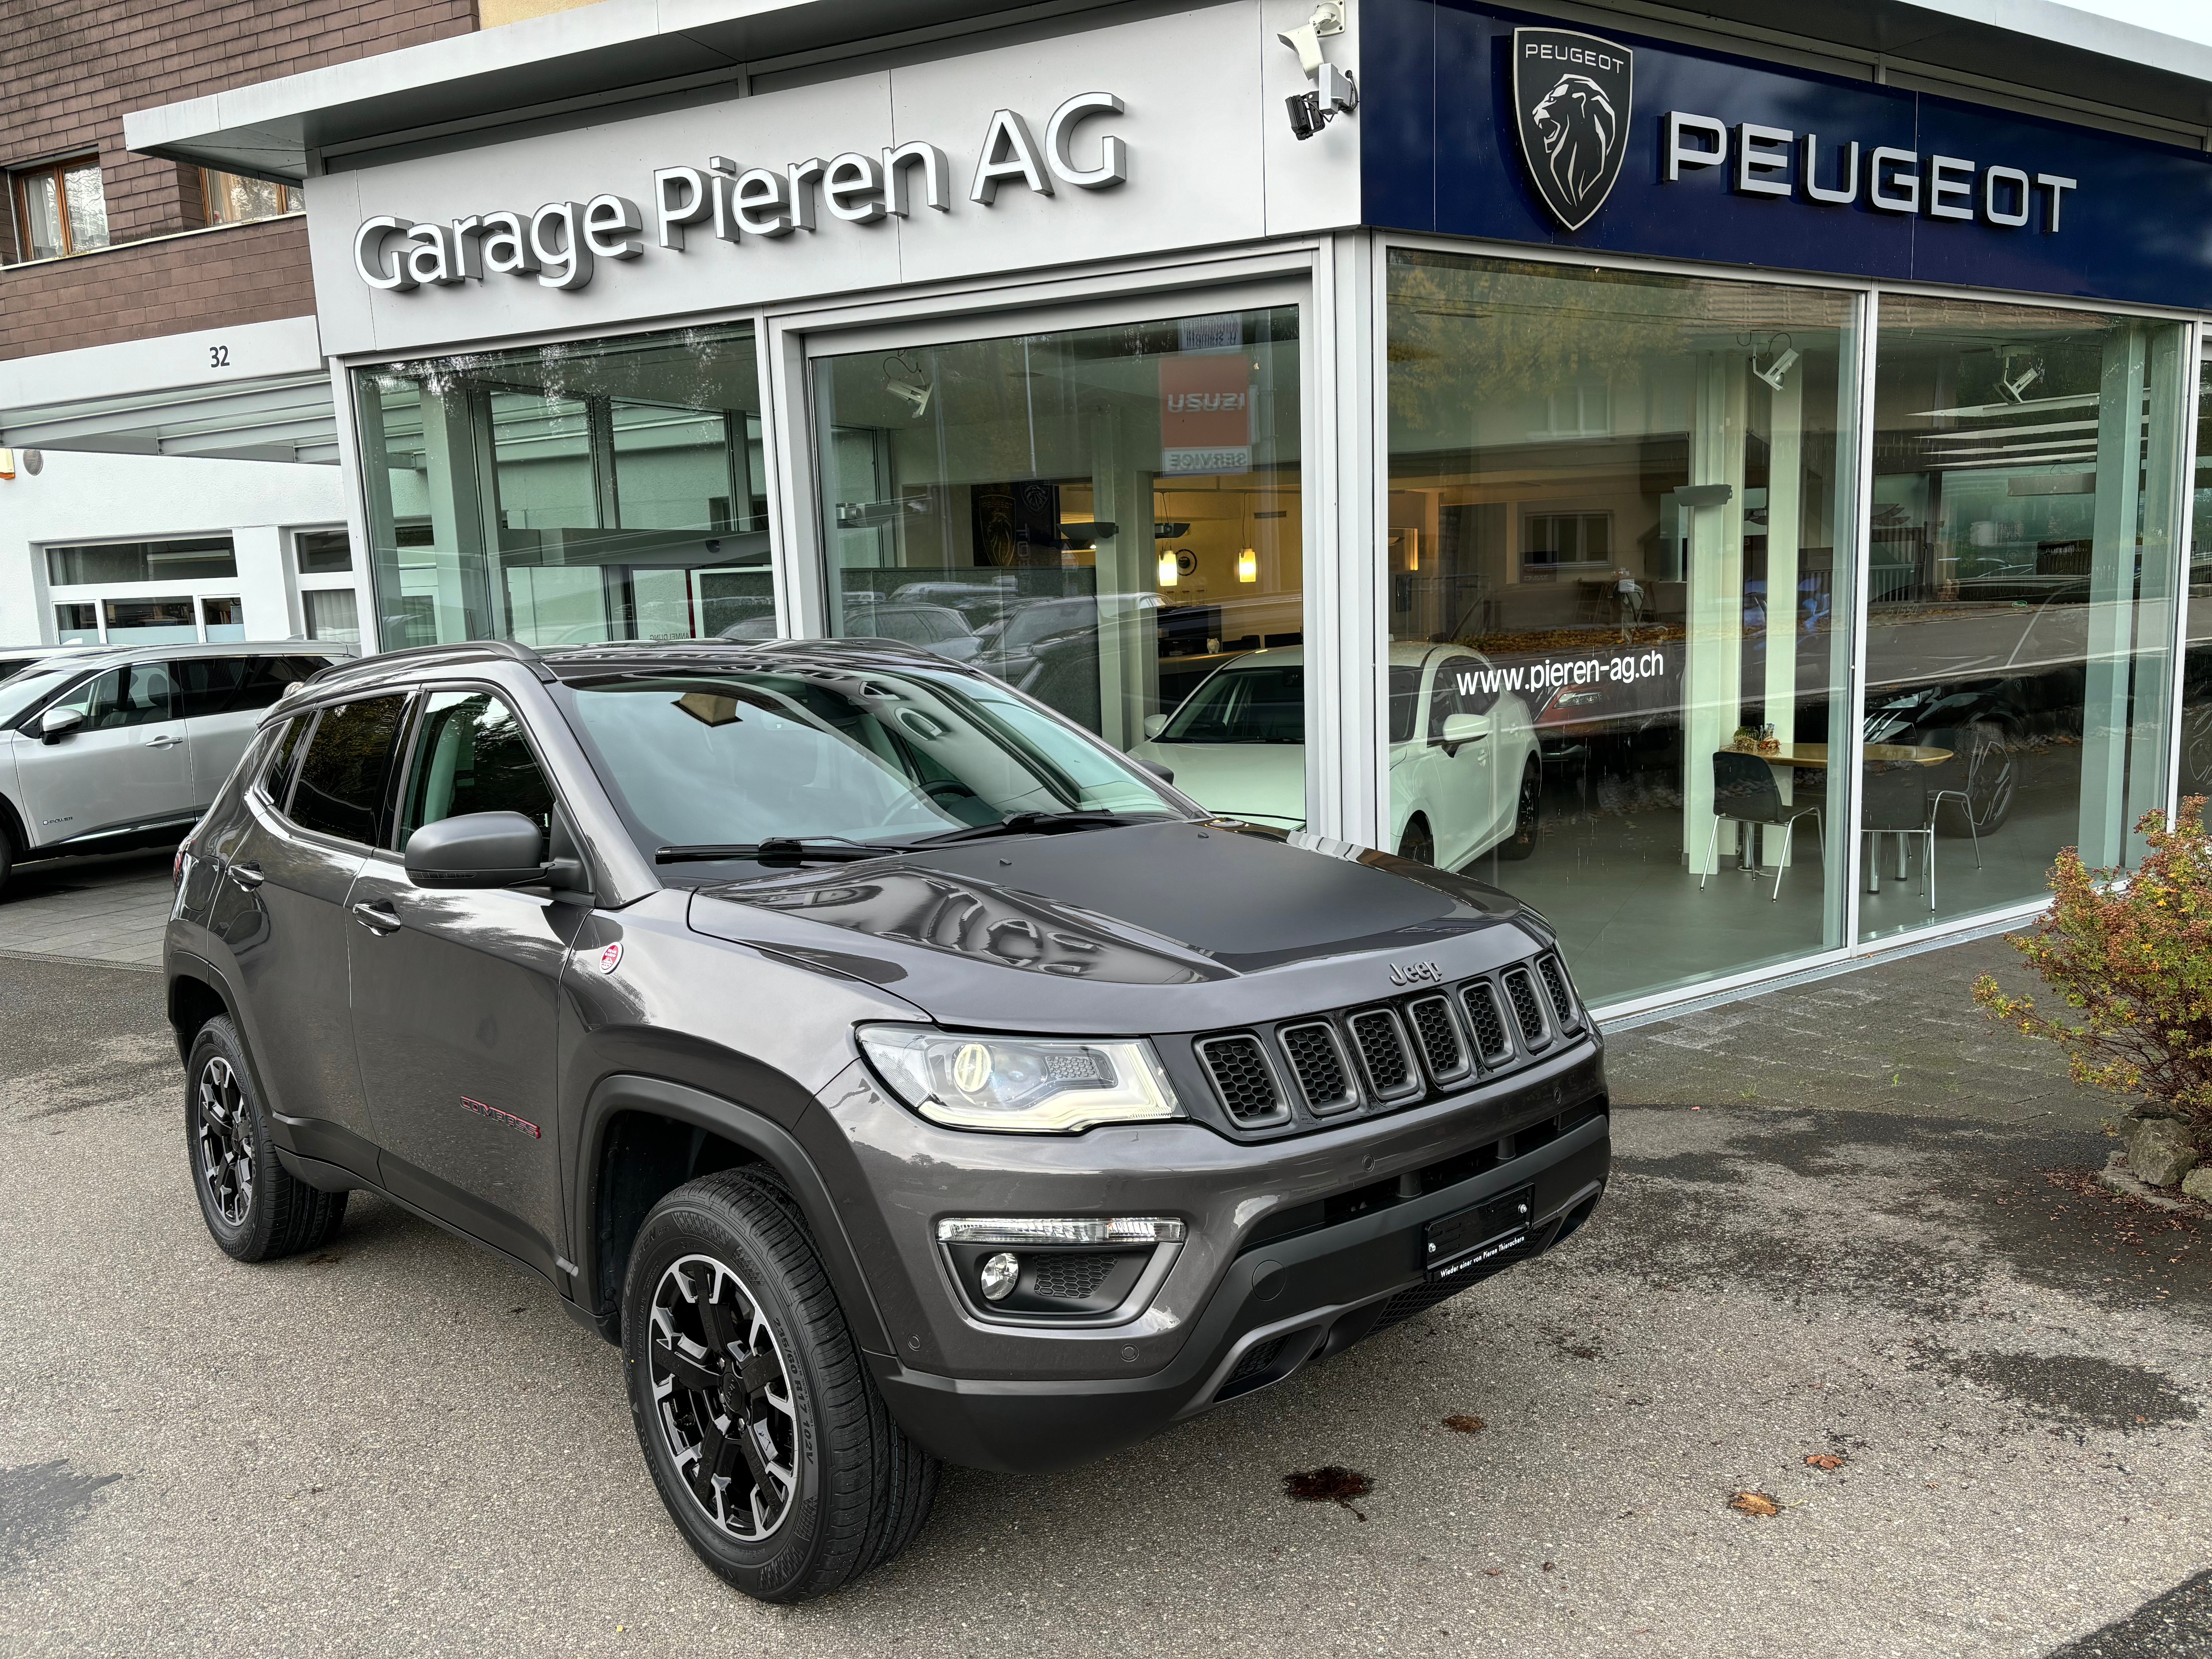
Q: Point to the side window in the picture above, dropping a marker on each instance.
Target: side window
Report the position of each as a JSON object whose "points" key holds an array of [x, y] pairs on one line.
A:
{"points": [[277, 775], [471, 756], [1444, 702], [233, 685], [348, 769], [137, 694], [1472, 695]]}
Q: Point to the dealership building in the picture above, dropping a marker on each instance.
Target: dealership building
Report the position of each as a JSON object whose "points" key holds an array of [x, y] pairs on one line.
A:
{"points": [[1732, 488]]}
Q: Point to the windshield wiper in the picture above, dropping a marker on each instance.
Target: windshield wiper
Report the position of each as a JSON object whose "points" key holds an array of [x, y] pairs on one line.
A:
{"points": [[1038, 824], [778, 849]]}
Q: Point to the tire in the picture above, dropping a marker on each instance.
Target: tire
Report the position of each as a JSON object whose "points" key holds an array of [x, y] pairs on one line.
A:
{"points": [[256, 1209], [1418, 843], [7, 853], [1527, 813], [1991, 774], [846, 1489]]}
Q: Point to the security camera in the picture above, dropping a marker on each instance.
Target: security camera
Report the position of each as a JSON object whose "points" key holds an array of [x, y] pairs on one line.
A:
{"points": [[1336, 94], [908, 392], [1776, 371], [2016, 385]]}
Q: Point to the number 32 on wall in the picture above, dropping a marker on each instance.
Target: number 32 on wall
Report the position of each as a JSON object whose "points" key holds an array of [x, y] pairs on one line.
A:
{"points": [[218, 356]]}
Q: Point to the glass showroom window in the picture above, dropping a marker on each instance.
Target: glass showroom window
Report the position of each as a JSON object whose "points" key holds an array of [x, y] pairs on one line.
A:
{"points": [[1617, 501], [560, 494], [1106, 517], [2019, 595], [107, 563], [2197, 667]]}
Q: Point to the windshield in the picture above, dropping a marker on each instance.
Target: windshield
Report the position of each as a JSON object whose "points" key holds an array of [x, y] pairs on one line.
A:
{"points": [[736, 758], [19, 691], [1259, 704]]}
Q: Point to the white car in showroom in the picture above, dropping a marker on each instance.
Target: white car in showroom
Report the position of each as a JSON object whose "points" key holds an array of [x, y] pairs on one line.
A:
{"points": [[1465, 779]]}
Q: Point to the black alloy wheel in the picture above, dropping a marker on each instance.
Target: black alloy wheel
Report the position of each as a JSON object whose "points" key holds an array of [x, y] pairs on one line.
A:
{"points": [[2195, 753], [255, 1209], [723, 1395], [1418, 843], [226, 1142], [1527, 813], [1991, 771], [759, 1419]]}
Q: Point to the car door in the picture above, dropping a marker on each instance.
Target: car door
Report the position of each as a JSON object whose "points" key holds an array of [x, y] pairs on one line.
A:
{"points": [[222, 699], [455, 1003], [127, 766], [1457, 777], [283, 920]]}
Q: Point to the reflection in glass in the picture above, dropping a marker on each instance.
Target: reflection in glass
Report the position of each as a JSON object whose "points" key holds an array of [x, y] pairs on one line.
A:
{"points": [[568, 494], [2020, 598], [2197, 665], [1617, 504], [1108, 518]]}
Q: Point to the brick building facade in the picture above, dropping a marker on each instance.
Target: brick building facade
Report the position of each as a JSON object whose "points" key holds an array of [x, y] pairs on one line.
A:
{"points": [[73, 67]]}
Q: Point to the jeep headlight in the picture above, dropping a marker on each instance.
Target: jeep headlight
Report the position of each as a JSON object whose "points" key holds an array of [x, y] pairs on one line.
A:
{"points": [[1027, 1085]]}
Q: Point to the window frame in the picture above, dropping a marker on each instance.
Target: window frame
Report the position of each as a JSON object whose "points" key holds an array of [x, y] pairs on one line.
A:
{"points": [[19, 202], [402, 775], [209, 217]]}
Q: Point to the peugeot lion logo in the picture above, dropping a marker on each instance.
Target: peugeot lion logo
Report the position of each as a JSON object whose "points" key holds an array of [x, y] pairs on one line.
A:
{"points": [[1571, 94]]}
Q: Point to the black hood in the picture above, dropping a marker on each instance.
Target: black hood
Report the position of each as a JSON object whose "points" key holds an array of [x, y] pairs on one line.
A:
{"points": [[1146, 904]]}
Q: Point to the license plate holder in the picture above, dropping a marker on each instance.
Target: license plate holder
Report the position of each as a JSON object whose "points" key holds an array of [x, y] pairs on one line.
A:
{"points": [[1457, 1243]]}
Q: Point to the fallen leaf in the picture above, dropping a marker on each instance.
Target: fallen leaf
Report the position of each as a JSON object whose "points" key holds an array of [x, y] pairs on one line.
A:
{"points": [[1465, 1423], [1550, 1566], [1755, 1503], [1824, 1459], [1329, 1484], [1493, 1572]]}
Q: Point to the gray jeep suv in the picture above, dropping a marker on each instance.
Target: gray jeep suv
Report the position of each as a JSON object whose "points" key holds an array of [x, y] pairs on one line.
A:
{"points": [[895, 1071]]}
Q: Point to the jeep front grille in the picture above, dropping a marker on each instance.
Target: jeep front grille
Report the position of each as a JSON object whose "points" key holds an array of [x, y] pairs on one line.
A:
{"points": [[1383, 1054], [1527, 1011], [1242, 1077], [1563, 998], [1439, 1037], [1487, 1023], [1318, 1064]]}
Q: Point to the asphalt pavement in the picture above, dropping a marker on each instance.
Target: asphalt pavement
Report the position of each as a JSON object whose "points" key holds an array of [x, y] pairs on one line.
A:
{"points": [[401, 1446]]}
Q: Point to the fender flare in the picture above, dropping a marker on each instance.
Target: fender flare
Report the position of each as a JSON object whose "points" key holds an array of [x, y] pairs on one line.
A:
{"points": [[756, 1133]]}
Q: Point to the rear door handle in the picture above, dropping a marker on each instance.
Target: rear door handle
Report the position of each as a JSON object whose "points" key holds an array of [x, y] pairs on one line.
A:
{"points": [[162, 740], [378, 917], [247, 876]]}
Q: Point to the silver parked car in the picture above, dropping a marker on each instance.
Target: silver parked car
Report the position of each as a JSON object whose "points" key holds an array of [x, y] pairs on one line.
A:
{"points": [[103, 751]]}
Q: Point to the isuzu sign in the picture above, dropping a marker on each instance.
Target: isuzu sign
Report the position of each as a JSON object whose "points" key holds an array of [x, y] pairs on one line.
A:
{"points": [[1573, 101]]}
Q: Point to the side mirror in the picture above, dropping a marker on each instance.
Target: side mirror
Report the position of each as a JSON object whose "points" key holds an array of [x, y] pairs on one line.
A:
{"points": [[1464, 728], [477, 849], [1155, 724], [57, 723], [1165, 773]]}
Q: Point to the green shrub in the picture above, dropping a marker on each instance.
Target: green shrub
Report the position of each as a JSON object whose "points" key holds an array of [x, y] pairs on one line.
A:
{"points": [[2132, 965]]}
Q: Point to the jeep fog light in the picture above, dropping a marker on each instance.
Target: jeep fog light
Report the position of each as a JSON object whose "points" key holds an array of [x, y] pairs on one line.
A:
{"points": [[1020, 1084], [998, 1276]]}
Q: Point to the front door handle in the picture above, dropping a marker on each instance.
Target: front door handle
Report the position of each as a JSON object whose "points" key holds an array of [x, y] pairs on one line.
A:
{"points": [[247, 876], [162, 740], [378, 918]]}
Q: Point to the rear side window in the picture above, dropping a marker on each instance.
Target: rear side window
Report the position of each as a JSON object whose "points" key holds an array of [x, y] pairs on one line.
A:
{"points": [[282, 755], [207, 686], [348, 769], [472, 757]]}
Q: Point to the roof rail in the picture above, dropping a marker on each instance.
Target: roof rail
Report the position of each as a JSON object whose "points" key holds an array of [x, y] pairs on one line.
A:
{"points": [[461, 651]]}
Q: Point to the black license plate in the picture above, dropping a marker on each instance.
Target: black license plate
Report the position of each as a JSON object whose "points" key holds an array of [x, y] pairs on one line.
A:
{"points": [[1466, 1240]]}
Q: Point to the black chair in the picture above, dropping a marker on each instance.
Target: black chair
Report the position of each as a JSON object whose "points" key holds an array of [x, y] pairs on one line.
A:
{"points": [[1745, 792], [1893, 801]]}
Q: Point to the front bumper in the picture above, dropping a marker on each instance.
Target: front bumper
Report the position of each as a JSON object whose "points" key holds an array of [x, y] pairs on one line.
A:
{"points": [[1281, 1305]]}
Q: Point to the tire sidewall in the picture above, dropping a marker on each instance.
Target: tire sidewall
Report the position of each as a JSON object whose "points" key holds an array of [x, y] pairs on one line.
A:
{"points": [[249, 1240], [699, 1224]]}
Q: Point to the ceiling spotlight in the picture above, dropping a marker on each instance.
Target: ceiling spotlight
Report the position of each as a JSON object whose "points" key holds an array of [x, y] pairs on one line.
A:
{"points": [[908, 385], [2015, 385], [1777, 370]]}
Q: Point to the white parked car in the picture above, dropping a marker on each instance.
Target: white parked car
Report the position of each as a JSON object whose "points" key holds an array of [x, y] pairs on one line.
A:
{"points": [[106, 751], [1465, 778]]}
